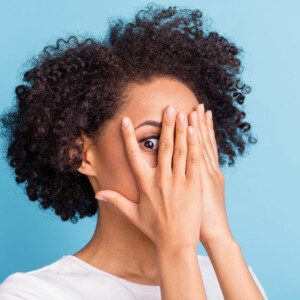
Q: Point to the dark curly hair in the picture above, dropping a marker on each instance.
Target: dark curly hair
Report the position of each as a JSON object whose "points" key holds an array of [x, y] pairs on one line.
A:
{"points": [[76, 87]]}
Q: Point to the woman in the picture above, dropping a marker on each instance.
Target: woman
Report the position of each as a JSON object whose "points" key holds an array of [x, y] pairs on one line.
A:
{"points": [[163, 187]]}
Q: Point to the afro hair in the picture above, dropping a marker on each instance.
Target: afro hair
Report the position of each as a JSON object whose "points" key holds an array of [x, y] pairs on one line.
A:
{"points": [[76, 87]]}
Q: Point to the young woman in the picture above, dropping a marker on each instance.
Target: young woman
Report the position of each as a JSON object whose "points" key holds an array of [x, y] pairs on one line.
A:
{"points": [[160, 175]]}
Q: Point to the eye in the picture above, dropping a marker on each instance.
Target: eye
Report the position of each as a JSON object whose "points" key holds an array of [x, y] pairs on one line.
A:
{"points": [[150, 144]]}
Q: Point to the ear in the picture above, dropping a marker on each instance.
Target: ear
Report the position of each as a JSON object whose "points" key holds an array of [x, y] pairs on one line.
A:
{"points": [[87, 165]]}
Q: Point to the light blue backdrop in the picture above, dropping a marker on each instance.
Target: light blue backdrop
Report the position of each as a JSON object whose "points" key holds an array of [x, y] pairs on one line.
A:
{"points": [[262, 190]]}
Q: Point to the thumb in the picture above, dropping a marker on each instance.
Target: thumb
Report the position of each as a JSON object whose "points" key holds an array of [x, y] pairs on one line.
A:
{"points": [[127, 207]]}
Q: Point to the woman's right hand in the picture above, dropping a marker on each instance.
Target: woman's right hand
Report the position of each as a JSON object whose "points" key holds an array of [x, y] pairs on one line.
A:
{"points": [[170, 207]]}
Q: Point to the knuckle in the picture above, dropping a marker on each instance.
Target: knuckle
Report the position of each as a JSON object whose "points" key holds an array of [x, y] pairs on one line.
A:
{"points": [[164, 144], [168, 122], [179, 151], [161, 185], [193, 159], [132, 154], [180, 128]]}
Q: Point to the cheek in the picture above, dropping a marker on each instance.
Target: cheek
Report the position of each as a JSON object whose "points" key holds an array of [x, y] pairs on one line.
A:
{"points": [[151, 159], [116, 174]]}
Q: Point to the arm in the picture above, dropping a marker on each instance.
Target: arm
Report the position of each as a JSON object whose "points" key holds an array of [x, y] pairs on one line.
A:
{"points": [[234, 277], [179, 274], [233, 274]]}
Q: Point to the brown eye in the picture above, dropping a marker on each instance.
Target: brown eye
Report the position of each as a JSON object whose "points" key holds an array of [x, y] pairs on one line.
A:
{"points": [[150, 142]]}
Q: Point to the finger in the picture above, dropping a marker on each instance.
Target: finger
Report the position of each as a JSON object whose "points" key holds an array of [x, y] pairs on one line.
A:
{"points": [[127, 207], [166, 141], [205, 137], [212, 137], [194, 121], [180, 147], [136, 160], [205, 132], [193, 154]]}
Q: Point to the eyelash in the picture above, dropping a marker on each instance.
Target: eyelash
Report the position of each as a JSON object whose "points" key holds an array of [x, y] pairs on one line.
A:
{"points": [[147, 138]]}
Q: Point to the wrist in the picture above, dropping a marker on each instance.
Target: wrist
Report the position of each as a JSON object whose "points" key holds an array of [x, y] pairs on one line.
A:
{"points": [[175, 250], [221, 242]]}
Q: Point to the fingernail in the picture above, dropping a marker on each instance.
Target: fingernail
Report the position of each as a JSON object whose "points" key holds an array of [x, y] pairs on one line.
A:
{"points": [[180, 117], [195, 115], [169, 110], [202, 108], [124, 122], [100, 198], [190, 130]]}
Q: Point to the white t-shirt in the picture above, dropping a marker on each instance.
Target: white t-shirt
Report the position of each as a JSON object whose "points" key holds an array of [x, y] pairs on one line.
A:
{"points": [[71, 278]]}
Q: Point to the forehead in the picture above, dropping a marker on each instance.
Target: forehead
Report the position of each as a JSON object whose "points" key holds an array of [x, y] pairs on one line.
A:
{"points": [[148, 100]]}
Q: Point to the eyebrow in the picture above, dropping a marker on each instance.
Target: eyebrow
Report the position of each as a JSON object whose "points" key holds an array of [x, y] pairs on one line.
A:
{"points": [[149, 122]]}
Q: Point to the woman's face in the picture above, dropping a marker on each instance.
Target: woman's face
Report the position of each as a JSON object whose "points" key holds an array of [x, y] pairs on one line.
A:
{"points": [[106, 163]]}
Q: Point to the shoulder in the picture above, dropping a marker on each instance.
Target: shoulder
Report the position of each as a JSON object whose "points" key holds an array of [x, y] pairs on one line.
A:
{"points": [[210, 279], [19, 286], [33, 284]]}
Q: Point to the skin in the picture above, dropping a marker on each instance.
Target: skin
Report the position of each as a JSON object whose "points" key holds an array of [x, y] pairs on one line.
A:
{"points": [[119, 247]]}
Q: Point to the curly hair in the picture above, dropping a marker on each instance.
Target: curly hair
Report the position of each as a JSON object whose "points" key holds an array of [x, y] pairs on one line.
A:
{"points": [[76, 87]]}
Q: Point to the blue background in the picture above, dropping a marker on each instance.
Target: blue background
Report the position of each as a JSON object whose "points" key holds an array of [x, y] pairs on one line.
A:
{"points": [[262, 189]]}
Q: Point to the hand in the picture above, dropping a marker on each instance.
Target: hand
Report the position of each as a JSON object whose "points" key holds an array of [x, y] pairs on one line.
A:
{"points": [[169, 211], [214, 218]]}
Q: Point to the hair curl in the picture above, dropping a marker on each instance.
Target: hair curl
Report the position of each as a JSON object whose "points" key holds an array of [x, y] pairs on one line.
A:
{"points": [[77, 87]]}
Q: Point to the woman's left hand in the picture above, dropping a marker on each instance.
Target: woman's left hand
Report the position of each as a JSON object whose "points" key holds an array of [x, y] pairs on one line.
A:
{"points": [[214, 218]]}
